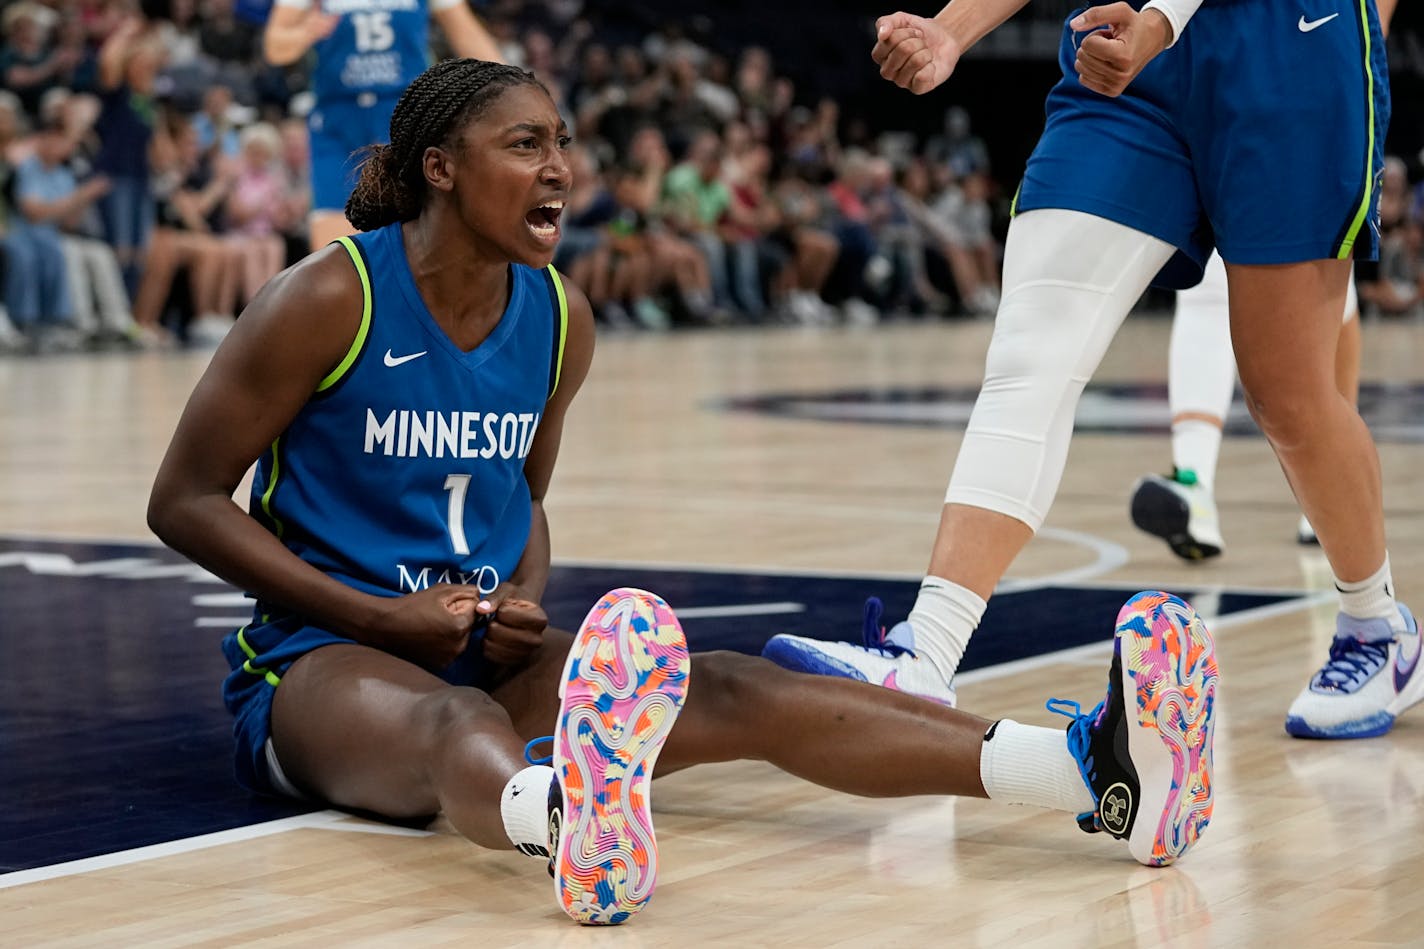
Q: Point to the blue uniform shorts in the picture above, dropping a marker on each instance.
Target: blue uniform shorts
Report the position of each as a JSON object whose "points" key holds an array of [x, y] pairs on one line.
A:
{"points": [[260, 653], [1260, 133], [338, 132]]}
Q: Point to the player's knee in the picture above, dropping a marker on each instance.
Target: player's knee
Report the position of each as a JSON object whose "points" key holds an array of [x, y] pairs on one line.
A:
{"points": [[1284, 420], [734, 682], [455, 714]]}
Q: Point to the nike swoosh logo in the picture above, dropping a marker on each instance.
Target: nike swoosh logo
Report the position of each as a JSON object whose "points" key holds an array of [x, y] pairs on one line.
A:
{"points": [[1307, 25], [1404, 671], [394, 361]]}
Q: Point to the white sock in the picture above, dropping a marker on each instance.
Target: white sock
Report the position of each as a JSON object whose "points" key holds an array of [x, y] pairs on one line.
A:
{"points": [[1196, 445], [944, 617], [524, 805], [1028, 764], [1372, 598]]}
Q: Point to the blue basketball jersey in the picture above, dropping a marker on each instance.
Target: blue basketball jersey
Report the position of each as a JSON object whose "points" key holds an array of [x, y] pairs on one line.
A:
{"points": [[378, 47], [406, 467]]}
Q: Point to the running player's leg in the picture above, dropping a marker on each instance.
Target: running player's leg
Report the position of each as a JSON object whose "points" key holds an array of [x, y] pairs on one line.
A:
{"points": [[1070, 279], [1107, 197], [1287, 231], [1347, 378], [1201, 376]]}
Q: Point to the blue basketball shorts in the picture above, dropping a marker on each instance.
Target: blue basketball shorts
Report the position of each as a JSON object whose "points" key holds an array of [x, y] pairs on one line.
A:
{"points": [[338, 132], [260, 653], [1260, 133]]}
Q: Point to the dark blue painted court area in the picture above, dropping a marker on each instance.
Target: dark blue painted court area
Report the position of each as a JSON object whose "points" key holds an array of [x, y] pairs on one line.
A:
{"points": [[112, 734]]}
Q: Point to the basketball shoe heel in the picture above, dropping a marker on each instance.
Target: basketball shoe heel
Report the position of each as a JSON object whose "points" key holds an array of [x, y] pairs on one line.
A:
{"points": [[887, 658], [1145, 751], [624, 683], [1180, 511]]}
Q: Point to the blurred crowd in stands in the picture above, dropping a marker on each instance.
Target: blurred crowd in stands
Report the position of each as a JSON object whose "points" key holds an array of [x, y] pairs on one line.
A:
{"points": [[154, 174]]}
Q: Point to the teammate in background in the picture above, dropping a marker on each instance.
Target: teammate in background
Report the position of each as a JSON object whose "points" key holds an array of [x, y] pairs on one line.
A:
{"points": [[1131, 178], [1180, 508], [1201, 377], [403, 393], [367, 52]]}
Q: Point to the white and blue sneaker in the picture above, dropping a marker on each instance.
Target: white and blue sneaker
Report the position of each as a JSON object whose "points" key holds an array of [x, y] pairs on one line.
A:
{"points": [[1181, 511], [887, 659], [1369, 679]]}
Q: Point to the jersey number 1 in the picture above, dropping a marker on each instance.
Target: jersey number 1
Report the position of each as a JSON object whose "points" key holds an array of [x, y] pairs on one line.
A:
{"points": [[457, 485]]}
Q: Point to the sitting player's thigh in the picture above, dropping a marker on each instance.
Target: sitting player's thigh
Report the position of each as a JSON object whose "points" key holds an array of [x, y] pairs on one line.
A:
{"points": [[359, 727]]}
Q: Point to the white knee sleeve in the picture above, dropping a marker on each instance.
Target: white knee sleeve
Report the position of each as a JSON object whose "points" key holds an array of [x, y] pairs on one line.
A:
{"points": [[1069, 281]]}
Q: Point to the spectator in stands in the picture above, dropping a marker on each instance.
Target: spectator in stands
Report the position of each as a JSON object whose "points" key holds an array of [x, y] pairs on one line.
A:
{"points": [[30, 64], [677, 264], [37, 288], [255, 214], [801, 229], [851, 224], [213, 123], [746, 227], [51, 199], [1395, 286], [128, 66], [192, 187], [694, 199], [958, 148], [10, 109]]}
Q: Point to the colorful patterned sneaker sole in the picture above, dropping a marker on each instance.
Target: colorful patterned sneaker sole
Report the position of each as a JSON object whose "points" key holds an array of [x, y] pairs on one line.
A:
{"points": [[1168, 663], [624, 683]]}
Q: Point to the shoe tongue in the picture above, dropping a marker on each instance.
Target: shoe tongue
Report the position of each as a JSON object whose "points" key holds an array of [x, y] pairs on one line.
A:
{"points": [[901, 636], [1371, 630]]}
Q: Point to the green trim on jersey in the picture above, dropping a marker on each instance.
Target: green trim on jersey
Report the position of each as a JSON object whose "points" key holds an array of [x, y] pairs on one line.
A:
{"points": [[359, 342], [1347, 245], [272, 678], [563, 328], [272, 486]]}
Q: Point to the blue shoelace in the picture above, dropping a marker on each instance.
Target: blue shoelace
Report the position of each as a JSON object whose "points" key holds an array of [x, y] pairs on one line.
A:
{"points": [[1352, 662], [1078, 739], [873, 633], [529, 751]]}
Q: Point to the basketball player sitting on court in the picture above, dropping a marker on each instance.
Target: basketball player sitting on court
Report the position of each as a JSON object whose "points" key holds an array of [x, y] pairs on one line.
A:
{"points": [[403, 394]]}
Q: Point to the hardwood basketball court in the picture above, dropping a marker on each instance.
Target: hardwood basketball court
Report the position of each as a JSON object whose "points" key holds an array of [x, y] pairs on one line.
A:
{"points": [[731, 451]]}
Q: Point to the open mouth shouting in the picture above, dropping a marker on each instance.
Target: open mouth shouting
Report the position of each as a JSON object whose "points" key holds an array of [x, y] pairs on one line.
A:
{"points": [[543, 221]]}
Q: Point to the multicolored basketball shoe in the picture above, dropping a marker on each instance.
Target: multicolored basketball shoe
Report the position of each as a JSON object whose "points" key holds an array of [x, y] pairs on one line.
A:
{"points": [[887, 658], [1145, 750], [623, 686], [1181, 511], [1370, 678]]}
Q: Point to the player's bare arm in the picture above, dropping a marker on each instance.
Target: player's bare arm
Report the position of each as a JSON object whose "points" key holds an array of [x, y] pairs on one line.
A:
{"points": [[292, 335]]}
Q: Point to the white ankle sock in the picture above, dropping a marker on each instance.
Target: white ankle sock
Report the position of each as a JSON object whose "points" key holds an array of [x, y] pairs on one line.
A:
{"points": [[1027, 764], [1196, 445], [1372, 597], [524, 805], [944, 617]]}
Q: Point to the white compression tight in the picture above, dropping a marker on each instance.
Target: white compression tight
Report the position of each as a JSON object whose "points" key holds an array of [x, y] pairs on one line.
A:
{"points": [[1069, 281]]}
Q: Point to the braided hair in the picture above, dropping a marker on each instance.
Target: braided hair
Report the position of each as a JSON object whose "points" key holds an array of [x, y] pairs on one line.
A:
{"points": [[444, 97]]}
